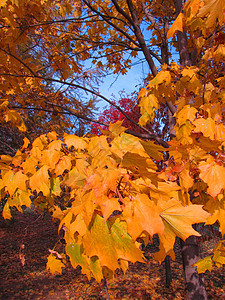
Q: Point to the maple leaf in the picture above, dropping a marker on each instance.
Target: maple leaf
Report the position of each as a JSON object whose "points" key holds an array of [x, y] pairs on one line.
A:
{"points": [[141, 214], [74, 179], [148, 104], [204, 264], [161, 254], [107, 205], [116, 128], [186, 180], [212, 174], [213, 10], [206, 126], [63, 164], [186, 113], [178, 220], [219, 254], [57, 213], [6, 211], [138, 163], [153, 150], [218, 215], [127, 143], [113, 244], [55, 186], [103, 181], [75, 141], [54, 265], [13, 181], [50, 158], [90, 267], [40, 180]]}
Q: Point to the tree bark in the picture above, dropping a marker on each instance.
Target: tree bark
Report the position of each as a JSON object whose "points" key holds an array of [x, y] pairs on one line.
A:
{"points": [[195, 287], [182, 40], [168, 271]]}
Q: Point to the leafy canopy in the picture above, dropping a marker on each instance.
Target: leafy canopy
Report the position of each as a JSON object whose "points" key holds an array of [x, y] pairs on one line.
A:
{"points": [[107, 191]]}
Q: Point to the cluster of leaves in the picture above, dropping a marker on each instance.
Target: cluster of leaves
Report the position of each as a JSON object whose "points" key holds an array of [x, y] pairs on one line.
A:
{"points": [[115, 195], [198, 93], [35, 62]]}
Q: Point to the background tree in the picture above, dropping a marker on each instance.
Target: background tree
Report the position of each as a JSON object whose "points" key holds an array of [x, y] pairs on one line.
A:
{"points": [[131, 108]]}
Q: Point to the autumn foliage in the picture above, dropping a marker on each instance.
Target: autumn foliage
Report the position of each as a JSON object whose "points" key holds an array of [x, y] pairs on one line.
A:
{"points": [[114, 195]]}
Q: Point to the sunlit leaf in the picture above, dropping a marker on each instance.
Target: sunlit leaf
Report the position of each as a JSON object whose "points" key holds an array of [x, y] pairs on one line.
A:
{"points": [[54, 265]]}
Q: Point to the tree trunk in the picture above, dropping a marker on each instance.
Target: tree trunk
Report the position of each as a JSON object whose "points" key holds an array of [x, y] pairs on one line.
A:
{"points": [[195, 287], [168, 271]]}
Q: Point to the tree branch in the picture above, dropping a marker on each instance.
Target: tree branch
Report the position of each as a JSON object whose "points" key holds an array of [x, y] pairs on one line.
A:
{"points": [[106, 19], [140, 38], [83, 88], [182, 41], [67, 112]]}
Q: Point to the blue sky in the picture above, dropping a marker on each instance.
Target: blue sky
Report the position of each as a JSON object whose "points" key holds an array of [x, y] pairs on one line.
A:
{"points": [[114, 84]]}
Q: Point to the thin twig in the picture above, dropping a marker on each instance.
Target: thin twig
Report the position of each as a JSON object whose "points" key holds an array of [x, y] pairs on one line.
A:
{"points": [[106, 288]]}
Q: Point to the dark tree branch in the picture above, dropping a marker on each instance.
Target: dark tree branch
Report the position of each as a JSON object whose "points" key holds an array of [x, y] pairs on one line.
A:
{"points": [[182, 41], [7, 145], [106, 19], [84, 89], [140, 38], [67, 112], [17, 58]]}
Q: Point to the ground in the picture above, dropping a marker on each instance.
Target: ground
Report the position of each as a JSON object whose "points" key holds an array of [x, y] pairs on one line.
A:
{"points": [[30, 236]]}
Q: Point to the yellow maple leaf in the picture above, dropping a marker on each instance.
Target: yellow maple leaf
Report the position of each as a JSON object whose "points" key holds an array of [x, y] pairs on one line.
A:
{"points": [[6, 211], [177, 25], [54, 265], [63, 164], [186, 113], [75, 141], [214, 175], [218, 215], [219, 254], [163, 77], [50, 158], [75, 179], [40, 180], [13, 181], [114, 243], [204, 264], [148, 105], [29, 165], [186, 180], [141, 214], [213, 10], [178, 220], [116, 128], [206, 126], [57, 213]]}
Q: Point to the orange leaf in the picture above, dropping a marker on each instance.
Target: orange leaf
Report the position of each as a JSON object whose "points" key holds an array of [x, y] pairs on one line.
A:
{"points": [[54, 265], [213, 175], [177, 26], [141, 214], [40, 180], [13, 181]]}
